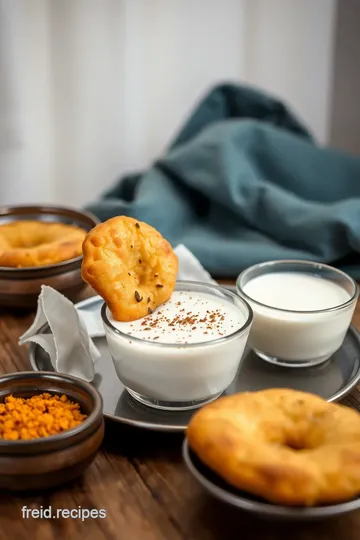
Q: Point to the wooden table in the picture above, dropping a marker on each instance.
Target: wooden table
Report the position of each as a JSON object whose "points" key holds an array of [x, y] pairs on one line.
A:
{"points": [[139, 479]]}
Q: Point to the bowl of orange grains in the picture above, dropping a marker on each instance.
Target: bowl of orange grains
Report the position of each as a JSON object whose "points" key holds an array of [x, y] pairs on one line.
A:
{"points": [[51, 426]]}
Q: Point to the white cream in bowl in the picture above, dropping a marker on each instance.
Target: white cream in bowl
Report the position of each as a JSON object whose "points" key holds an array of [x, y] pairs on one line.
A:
{"points": [[186, 352], [299, 316]]}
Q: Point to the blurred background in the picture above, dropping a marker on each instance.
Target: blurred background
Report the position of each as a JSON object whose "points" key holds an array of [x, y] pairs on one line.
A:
{"points": [[92, 89]]}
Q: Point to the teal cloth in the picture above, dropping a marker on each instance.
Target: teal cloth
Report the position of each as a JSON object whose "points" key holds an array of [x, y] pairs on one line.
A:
{"points": [[244, 182]]}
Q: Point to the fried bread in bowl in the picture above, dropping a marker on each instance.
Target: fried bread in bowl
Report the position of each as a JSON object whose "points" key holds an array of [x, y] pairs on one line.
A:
{"points": [[288, 448], [41, 245]]}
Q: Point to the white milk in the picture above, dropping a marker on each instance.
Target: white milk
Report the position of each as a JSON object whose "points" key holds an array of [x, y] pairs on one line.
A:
{"points": [[171, 355], [295, 335]]}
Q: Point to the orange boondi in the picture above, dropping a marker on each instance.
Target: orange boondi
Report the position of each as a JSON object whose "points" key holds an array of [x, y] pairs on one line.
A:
{"points": [[41, 415]]}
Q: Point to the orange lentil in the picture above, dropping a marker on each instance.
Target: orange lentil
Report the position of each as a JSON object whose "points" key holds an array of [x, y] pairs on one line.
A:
{"points": [[41, 415]]}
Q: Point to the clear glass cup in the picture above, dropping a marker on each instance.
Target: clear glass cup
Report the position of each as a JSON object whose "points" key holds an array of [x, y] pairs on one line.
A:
{"points": [[295, 338], [182, 376]]}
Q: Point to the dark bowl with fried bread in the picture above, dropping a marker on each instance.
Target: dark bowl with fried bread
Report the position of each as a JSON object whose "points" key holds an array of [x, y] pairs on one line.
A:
{"points": [[20, 287]]}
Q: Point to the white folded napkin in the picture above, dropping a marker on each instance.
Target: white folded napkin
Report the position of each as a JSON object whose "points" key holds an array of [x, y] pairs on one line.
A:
{"points": [[190, 268], [69, 343]]}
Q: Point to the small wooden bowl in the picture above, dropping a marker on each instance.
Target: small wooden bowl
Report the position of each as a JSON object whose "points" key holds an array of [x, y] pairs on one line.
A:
{"points": [[20, 287], [50, 461]]}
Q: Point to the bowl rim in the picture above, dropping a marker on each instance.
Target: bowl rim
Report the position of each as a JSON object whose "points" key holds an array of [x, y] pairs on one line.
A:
{"points": [[91, 419], [305, 264], [44, 210], [210, 288]]}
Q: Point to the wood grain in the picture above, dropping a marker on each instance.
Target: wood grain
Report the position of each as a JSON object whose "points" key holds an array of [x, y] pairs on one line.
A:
{"points": [[139, 479]]}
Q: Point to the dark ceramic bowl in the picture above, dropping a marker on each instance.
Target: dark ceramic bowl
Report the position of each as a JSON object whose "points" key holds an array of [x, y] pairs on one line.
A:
{"points": [[260, 508], [50, 461], [20, 287]]}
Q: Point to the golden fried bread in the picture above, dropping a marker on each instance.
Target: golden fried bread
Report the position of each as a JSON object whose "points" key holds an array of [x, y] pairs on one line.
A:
{"points": [[37, 243], [289, 447], [130, 265]]}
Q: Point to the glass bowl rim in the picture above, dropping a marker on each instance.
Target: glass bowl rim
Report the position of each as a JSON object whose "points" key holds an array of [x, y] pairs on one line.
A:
{"points": [[304, 263], [210, 287]]}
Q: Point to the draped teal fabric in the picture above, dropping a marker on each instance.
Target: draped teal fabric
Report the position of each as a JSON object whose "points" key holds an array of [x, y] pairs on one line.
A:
{"points": [[244, 182]]}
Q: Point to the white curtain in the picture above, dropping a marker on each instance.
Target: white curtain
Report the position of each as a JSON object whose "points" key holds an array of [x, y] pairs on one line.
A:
{"points": [[91, 89]]}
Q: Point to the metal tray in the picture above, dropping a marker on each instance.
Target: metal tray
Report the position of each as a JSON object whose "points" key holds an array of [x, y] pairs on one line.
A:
{"points": [[332, 380]]}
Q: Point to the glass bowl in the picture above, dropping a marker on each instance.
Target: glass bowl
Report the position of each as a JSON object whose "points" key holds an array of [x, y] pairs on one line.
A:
{"points": [[180, 376], [299, 320]]}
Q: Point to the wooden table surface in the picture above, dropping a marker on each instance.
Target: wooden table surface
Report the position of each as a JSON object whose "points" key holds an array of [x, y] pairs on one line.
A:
{"points": [[139, 480]]}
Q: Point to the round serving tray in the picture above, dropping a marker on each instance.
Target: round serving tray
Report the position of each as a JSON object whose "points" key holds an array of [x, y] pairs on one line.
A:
{"points": [[332, 380]]}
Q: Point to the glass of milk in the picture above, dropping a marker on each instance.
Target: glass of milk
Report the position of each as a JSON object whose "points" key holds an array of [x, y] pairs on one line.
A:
{"points": [[186, 352], [302, 310]]}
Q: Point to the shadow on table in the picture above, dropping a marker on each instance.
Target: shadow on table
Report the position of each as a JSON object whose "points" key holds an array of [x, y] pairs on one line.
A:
{"points": [[136, 443], [226, 522]]}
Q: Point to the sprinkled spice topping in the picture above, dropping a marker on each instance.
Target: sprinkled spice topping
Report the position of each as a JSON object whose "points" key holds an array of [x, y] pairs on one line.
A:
{"points": [[159, 286], [148, 300], [138, 298], [187, 318], [137, 225], [140, 261]]}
